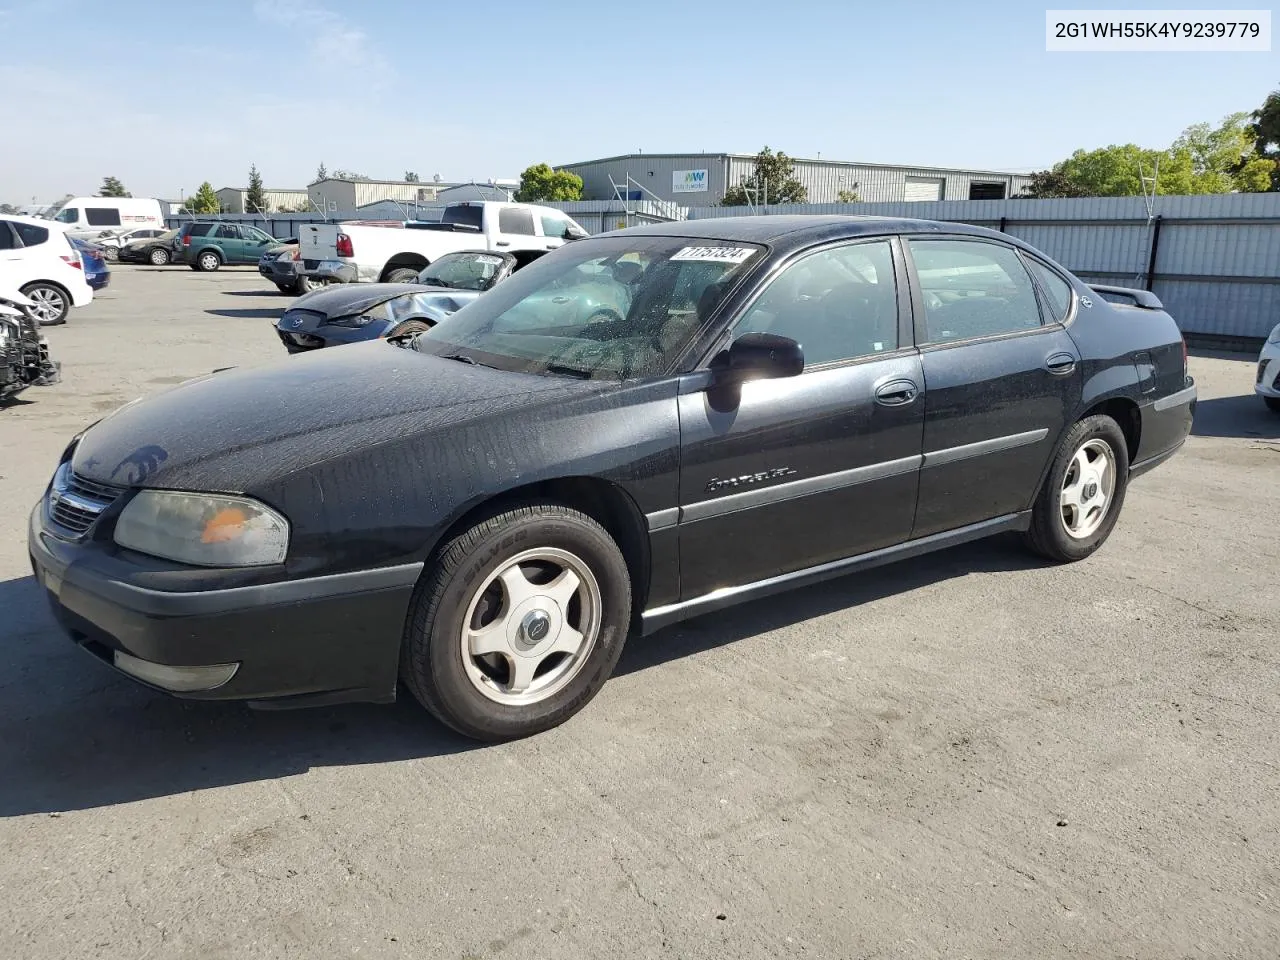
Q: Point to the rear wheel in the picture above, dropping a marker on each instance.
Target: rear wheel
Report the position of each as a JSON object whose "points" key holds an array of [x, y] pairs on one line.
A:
{"points": [[208, 261], [402, 275], [1081, 499], [51, 303], [159, 257], [1273, 404], [518, 623]]}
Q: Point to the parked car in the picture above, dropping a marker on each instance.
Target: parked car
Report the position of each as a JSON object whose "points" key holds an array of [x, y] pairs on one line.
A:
{"points": [[38, 256], [86, 217], [390, 251], [112, 241], [96, 272], [484, 512], [1268, 383], [153, 250], [24, 352], [208, 245], [350, 313], [279, 264]]}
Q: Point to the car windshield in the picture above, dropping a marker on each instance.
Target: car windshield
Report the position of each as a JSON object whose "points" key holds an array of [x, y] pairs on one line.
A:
{"points": [[462, 271], [608, 308]]}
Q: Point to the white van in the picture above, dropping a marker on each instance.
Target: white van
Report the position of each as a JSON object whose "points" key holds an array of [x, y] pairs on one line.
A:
{"points": [[87, 217]]}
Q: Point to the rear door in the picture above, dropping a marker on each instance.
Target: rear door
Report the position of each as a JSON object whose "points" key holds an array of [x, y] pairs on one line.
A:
{"points": [[999, 381], [792, 473], [516, 230]]}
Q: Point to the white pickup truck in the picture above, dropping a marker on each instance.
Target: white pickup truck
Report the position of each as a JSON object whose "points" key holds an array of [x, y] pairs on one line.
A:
{"points": [[393, 251]]}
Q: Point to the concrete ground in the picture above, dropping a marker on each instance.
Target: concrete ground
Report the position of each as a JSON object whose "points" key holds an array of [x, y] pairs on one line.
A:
{"points": [[969, 755]]}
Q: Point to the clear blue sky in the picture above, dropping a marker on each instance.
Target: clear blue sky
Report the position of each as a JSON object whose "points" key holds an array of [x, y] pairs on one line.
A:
{"points": [[165, 95]]}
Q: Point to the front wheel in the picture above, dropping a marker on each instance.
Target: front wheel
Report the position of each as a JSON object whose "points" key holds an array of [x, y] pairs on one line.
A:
{"points": [[402, 275], [1083, 493], [51, 303], [518, 622], [1273, 404], [408, 328]]}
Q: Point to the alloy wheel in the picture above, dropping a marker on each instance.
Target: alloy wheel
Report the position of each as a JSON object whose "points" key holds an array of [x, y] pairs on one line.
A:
{"points": [[1087, 488], [48, 304], [531, 626]]}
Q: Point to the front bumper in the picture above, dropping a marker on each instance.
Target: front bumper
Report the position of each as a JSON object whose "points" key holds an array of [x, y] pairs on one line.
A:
{"points": [[281, 274], [1268, 372], [313, 337], [323, 639]]}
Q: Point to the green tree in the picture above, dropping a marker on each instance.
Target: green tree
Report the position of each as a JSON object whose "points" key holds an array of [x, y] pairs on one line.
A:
{"points": [[1266, 133], [1051, 183], [773, 180], [8, 208], [203, 200], [540, 183], [255, 200], [847, 196], [111, 187], [1225, 159], [348, 175], [322, 173], [411, 177]]}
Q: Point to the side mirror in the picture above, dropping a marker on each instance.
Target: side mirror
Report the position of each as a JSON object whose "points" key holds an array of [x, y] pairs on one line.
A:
{"points": [[762, 356]]}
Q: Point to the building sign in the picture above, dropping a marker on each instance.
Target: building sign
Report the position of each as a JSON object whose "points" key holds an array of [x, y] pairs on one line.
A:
{"points": [[688, 181]]}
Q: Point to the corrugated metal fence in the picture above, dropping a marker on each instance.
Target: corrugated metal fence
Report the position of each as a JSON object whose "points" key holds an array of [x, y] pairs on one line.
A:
{"points": [[1213, 260]]}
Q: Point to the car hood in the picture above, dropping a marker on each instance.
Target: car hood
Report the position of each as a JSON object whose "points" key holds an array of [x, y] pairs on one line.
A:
{"points": [[239, 430], [340, 299]]}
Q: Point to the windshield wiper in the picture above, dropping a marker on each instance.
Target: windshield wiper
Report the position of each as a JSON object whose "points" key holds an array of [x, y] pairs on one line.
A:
{"points": [[432, 282], [461, 359], [562, 370]]}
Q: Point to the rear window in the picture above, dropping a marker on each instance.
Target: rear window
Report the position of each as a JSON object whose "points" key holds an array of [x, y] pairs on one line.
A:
{"points": [[102, 216], [31, 235], [465, 215], [200, 229], [515, 220]]}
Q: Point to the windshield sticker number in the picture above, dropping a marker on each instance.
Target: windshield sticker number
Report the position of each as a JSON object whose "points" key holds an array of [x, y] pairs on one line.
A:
{"points": [[715, 254], [492, 261]]}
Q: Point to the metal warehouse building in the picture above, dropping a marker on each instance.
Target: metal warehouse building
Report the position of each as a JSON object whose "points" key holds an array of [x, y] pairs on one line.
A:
{"points": [[701, 179]]}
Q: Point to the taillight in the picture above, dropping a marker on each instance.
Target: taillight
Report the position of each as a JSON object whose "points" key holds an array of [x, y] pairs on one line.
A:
{"points": [[73, 261], [1184, 356], [345, 249], [295, 255], [186, 240]]}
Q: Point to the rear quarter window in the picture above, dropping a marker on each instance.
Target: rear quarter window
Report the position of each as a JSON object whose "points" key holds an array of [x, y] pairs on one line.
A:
{"points": [[1056, 290], [31, 235]]}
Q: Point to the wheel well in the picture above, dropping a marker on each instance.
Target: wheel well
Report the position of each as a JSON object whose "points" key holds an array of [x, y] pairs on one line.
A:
{"points": [[414, 261], [1124, 412], [606, 503], [48, 283], [210, 249]]}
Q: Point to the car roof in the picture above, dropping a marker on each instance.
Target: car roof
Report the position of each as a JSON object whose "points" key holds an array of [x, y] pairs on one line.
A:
{"points": [[801, 230], [34, 221]]}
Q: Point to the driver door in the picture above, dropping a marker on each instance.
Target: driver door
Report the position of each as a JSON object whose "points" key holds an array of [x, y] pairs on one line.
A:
{"points": [[793, 473]]}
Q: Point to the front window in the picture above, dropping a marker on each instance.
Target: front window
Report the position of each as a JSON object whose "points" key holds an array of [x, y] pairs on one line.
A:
{"points": [[607, 309], [462, 271], [68, 215]]}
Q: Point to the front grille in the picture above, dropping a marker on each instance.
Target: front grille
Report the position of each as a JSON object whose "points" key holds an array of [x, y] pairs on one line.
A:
{"points": [[1262, 370], [76, 502]]}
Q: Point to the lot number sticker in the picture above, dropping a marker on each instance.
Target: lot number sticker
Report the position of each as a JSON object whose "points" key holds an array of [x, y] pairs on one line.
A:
{"points": [[715, 254]]}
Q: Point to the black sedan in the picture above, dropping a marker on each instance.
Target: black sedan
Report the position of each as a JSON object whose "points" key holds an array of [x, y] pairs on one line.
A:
{"points": [[152, 250], [354, 312], [487, 510]]}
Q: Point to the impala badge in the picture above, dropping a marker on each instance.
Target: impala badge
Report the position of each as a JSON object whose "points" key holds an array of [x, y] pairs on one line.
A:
{"points": [[728, 483]]}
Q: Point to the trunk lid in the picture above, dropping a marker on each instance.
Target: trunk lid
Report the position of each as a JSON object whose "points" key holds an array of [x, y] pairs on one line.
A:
{"points": [[318, 241]]}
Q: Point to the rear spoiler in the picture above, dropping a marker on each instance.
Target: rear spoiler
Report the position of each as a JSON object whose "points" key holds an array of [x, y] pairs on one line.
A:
{"points": [[1138, 298]]}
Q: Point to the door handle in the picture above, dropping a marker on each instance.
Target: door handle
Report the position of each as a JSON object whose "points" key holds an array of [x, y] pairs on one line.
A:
{"points": [[1060, 364], [895, 393]]}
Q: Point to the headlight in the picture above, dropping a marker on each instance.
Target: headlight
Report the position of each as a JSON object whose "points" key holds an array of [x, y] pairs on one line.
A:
{"points": [[379, 311], [1275, 335], [205, 529]]}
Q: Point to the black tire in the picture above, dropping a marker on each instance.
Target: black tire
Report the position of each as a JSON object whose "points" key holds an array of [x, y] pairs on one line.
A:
{"points": [[111, 254], [432, 660], [159, 257], [305, 285], [1048, 535], [207, 261], [54, 303], [409, 327], [403, 275], [1273, 403]]}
